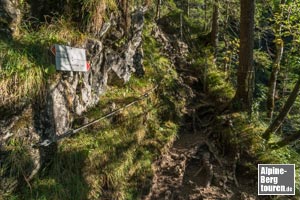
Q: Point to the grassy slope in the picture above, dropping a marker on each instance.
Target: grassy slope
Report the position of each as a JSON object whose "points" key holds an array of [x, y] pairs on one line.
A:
{"points": [[26, 63], [113, 158]]}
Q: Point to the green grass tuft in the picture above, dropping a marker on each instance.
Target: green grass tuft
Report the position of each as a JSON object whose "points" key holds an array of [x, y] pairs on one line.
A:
{"points": [[112, 159]]}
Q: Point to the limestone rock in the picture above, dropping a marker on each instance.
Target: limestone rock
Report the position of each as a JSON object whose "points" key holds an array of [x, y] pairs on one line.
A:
{"points": [[10, 16], [75, 92]]}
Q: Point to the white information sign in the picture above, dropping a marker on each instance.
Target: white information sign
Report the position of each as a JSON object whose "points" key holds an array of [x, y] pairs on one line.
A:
{"points": [[70, 58]]}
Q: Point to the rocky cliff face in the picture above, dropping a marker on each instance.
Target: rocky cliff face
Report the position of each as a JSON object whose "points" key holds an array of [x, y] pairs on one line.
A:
{"points": [[75, 92], [71, 94]]}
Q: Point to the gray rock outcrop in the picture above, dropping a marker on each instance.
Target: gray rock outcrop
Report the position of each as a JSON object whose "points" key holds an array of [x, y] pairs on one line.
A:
{"points": [[10, 17], [75, 92]]}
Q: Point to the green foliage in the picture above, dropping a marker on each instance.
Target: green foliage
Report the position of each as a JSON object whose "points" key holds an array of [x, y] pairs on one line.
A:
{"points": [[25, 62], [245, 137], [16, 164], [21, 76], [285, 155], [218, 84], [262, 60]]}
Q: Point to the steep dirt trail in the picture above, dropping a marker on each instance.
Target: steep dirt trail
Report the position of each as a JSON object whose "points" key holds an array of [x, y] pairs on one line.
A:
{"points": [[192, 168], [178, 174]]}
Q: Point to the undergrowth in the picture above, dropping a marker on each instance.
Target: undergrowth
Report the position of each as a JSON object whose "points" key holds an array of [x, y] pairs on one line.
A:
{"points": [[244, 137], [215, 79], [239, 133]]}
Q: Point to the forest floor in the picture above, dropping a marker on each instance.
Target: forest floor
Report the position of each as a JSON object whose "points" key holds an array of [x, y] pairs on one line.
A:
{"points": [[195, 166]]}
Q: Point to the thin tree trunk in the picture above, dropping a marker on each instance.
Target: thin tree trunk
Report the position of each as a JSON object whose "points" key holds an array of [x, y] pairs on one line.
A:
{"points": [[181, 26], [205, 14], [127, 14], [245, 75], [285, 110], [188, 8], [273, 78], [285, 76], [215, 28], [205, 88], [227, 62], [157, 15], [276, 65], [286, 141]]}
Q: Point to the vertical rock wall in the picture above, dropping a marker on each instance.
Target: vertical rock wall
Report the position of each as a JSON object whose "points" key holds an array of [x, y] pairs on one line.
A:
{"points": [[75, 92]]}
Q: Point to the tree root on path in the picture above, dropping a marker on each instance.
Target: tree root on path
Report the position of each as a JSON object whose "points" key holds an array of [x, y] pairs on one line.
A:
{"points": [[237, 157]]}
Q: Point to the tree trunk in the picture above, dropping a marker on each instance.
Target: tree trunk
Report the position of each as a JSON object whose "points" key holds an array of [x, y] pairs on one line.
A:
{"points": [[215, 28], [127, 16], [245, 75], [285, 110], [286, 141], [276, 64], [273, 78], [181, 27], [205, 14], [188, 8], [157, 15]]}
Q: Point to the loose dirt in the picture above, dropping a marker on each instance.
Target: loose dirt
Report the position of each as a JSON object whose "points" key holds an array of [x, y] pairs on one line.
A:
{"points": [[185, 172]]}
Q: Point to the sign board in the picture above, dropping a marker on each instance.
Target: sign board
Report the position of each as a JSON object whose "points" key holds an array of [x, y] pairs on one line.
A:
{"points": [[70, 58], [276, 179]]}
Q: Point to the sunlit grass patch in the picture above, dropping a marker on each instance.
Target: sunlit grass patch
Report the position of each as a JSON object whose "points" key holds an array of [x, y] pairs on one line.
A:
{"points": [[25, 62]]}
